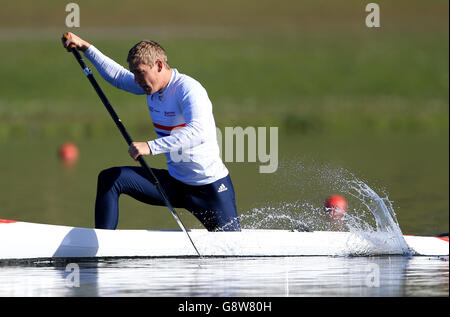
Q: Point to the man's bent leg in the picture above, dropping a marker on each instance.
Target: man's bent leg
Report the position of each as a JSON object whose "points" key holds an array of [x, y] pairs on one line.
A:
{"points": [[129, 180]]}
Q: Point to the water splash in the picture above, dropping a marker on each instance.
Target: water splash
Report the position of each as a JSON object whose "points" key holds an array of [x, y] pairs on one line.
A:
{"points": [[382, 210], [368, 213]]}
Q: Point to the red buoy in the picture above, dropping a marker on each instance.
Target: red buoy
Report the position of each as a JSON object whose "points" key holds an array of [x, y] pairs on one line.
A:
{"points": [[336, 206], [68, 153]]}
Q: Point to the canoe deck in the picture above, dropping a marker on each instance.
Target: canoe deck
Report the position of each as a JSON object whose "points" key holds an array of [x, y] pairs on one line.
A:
{"points": [[23, 240]]}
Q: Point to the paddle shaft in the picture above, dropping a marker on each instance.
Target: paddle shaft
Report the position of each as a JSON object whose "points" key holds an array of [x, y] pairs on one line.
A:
{"points": [[152, 177]]}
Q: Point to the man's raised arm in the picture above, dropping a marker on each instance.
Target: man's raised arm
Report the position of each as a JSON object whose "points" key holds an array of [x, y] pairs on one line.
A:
{"points": [[111, 71]]}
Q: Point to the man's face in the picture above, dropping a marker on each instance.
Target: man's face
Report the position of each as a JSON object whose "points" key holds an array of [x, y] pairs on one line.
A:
{"points": [[147, 77]]}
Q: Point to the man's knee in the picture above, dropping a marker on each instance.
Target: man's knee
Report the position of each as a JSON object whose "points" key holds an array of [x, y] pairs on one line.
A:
{"points": [[109, 176]]}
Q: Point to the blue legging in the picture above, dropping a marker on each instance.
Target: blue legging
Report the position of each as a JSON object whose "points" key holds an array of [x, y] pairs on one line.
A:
{"points": [[213, 205]]}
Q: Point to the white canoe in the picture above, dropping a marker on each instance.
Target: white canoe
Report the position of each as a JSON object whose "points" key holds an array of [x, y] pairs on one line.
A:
{"points": [[24, 240]]}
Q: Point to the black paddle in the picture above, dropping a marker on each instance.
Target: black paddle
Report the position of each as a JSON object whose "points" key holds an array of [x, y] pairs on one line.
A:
{"points": [[72, 48]]}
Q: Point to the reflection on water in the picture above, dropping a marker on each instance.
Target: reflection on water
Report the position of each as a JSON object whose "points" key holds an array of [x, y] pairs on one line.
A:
{"points": [[283, 276]]}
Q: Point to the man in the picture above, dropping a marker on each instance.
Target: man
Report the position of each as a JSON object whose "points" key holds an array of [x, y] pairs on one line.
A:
{"points": [[196, 178]]}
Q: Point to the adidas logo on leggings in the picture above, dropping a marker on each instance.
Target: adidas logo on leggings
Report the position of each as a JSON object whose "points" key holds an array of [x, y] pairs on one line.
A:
{"points": [[222, 188]]}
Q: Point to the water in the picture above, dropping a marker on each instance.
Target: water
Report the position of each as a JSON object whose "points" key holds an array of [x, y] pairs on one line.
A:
{"points": [[370, 214], [245, 276], [231, 277], [35, 187], [290, 198]]}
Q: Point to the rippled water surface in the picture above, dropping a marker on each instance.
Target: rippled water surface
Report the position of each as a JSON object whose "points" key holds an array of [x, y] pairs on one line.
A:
{"points": [[243, 277]]}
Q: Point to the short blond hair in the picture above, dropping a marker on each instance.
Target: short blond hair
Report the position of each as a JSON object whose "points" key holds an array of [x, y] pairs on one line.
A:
{"points": [[147, 52]]}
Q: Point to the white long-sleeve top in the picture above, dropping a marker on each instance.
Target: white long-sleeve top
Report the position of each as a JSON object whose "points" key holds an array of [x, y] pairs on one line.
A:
{"points": [[182, 117]]}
